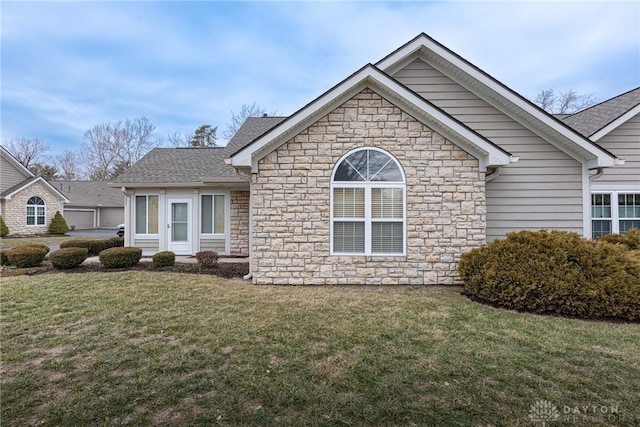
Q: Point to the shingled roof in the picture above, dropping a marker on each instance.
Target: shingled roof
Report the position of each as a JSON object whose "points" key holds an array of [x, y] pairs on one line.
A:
{"points": [[90, 193], [189, 165], [591, 120]]}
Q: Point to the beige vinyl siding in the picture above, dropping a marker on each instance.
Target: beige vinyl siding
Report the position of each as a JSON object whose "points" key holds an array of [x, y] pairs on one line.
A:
{"points": [[624, 142], [9, 175], [542, 190], [217, 245], [148, 246]]}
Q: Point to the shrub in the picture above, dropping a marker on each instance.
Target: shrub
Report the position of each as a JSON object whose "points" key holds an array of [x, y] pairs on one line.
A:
{"points": [[93, 246], [4, 230], [66, 258], [4, 260], [117, 242], [27, 256], [630, 239], [120, 257], [164, 259], [58, 224], [39, 246], [555, 272], [207, 259], [76, 244]]}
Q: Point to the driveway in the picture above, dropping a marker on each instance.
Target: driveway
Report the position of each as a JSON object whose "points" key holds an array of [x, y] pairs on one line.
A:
{"points": [[95, 233]]}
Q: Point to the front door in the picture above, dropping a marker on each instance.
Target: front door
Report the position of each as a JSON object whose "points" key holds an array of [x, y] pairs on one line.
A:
{"points": [[179, 227]]}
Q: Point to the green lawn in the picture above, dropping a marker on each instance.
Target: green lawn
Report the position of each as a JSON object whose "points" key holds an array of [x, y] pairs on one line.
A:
{"points": [[141, 348]]}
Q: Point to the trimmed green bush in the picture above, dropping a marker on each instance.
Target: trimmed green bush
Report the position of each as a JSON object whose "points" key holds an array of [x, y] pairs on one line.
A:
{"points": [[630, 239], [4, 230], [79, 243], [164, 259], [39, 246], [117, 242], [207, 259], [26, 256], [120, 257], [58, 224], [94, 246], [66, 258], [555, 272]]}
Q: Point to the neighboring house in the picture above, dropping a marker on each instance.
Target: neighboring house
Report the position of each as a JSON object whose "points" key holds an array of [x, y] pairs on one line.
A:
{"points": [[615, 126], [387, 178], [92, 204], [28, 202]]}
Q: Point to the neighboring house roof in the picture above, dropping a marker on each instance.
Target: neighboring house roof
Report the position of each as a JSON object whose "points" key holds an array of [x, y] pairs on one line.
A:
{"points": [[373, 78], [31, 178], [600, 119], [193, 165], [500, 96], [90, 193]]}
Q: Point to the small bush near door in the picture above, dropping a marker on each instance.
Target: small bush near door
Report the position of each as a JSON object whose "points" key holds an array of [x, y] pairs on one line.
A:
{"points": [[164, 259], [27, 256], [555, 272], [120, 257], [207, 259]]}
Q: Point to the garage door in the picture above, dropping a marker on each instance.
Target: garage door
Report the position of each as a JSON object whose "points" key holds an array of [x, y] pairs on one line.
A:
{"points": [[111, 217], [82, 220]]}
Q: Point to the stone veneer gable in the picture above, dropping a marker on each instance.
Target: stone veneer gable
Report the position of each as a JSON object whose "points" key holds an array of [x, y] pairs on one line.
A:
{"points": [[446, 212], [14, 211]]}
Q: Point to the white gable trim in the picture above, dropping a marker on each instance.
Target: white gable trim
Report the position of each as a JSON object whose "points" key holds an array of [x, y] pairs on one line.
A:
{"points": [[16, 163], [453, 65], [616, 123], [44, 182], [370, 77]]}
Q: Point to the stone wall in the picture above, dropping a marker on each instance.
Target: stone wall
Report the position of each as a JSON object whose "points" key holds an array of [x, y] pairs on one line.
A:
{"points": [[14, 211], [445, 201], [239, 239]]}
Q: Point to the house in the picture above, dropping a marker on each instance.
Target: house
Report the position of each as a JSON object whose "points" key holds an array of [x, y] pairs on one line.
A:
{"points": [[615, 193], [386, 178], [28, 202], [92, 204]]}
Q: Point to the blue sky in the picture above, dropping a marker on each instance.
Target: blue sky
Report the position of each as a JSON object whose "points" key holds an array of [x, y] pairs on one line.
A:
{"points": [[68, 66]]}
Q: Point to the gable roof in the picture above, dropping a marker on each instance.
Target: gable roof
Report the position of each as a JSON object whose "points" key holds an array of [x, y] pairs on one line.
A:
{"points": [[373, 78], [599, 120], [193, 165], [500, 96], [30, 178], [10, 192], [90, 193]]}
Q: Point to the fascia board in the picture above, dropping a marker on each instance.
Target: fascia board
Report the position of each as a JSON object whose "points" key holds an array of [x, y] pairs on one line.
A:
{"points": [[414, 49], [16, 163], [616, 123], [51, 188]]}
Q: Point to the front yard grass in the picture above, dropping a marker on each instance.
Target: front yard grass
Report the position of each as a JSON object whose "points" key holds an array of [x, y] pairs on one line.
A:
{"points": [[142, 348]]}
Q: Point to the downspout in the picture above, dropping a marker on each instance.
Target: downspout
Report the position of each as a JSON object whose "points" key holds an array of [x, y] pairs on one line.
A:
{"points": [[250, 275], [495, 172], [598, 174]]}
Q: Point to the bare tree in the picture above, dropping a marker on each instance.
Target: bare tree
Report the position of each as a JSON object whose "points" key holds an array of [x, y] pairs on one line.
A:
{"points": [[177, 139], [237, 120], [67, 164], [109, 148], [568, 102], [28, 151]]}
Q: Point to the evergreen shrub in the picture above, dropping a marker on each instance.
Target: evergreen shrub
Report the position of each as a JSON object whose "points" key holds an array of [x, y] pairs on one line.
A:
{"points": [[555, 272], [27, 256], [66, 258], [58, 224], [120, 257], [164, 259], [4, 230]]}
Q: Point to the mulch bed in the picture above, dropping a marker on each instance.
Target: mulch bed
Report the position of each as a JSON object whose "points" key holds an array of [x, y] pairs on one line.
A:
{"points": [[227, 270]]}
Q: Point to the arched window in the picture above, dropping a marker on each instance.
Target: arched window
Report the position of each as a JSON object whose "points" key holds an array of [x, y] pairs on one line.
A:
{"points": [[35, 211], [368, 204]]}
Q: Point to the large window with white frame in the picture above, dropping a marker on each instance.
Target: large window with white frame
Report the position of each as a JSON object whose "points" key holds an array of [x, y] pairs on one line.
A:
{"points": [[36, 214], [212, 213], [146, 214], [614, 212], [368, 194]]}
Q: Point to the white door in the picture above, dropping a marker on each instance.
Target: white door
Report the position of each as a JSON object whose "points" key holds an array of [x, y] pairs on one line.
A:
{"points": [[179, 227]]}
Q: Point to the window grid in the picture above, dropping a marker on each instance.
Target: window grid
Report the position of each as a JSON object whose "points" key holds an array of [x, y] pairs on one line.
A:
{"points": [[614, 212], [36, 213], [368, 205]]}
